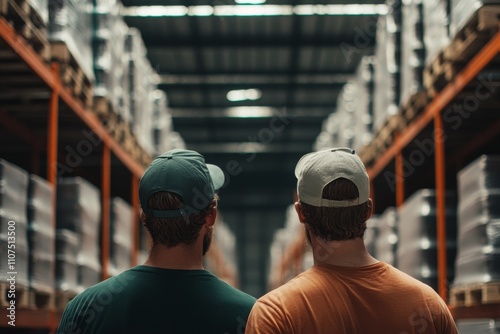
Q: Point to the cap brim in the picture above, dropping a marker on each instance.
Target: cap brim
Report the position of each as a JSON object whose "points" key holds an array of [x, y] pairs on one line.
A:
{"points": [[217, 176]]}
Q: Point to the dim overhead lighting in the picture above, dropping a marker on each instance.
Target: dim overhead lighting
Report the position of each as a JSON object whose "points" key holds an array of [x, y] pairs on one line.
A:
{"points": [[243, 95], [250, 2], [250, 112]]}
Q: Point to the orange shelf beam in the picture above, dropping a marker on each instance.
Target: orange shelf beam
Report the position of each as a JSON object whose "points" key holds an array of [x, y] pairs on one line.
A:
{"points": [[476, 65], [34, 319], [490, 311]]}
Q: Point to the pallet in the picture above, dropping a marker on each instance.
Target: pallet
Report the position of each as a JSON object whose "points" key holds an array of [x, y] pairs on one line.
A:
{"points": [[42, 300], [21, 296], [475, 34], [414, 106], [27, 23], [439, 73], [62, 298], [475, 294], [71, 73]]}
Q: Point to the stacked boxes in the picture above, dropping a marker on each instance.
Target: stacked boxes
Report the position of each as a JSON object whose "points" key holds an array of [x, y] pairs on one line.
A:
{"points": [[371, 235], [436, 27], [67, 249], [142, 83], [387, 65], [387, 240], [417, 250], [79, 211], [41, 234], [165, 138], [110, 66], [41, 7], [120, 250], [478, 258], [412, 49], [13, 223], [70, 22], [363, 103]]}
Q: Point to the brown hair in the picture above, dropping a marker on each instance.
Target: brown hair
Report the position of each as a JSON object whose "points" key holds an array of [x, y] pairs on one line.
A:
{"points": [[173, 231], [337, 223]]}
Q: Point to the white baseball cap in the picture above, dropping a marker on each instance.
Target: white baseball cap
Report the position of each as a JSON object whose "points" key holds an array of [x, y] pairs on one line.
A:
{"points": [[317, 169]]}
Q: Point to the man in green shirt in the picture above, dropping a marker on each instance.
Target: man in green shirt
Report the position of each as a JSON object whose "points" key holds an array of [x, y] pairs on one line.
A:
{"points": [[171, 292]]}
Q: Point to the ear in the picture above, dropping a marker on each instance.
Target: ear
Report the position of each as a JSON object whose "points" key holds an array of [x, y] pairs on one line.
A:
{"points": [[298, 208], [369, 212], [211, 216]]}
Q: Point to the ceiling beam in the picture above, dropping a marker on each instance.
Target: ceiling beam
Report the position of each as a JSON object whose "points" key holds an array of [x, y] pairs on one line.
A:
{"points": [[154, 44], [308, 86], [255, 78]]}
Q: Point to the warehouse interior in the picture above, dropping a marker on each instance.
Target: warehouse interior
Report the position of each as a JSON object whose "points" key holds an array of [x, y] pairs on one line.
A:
{"points": [[92, 91]]}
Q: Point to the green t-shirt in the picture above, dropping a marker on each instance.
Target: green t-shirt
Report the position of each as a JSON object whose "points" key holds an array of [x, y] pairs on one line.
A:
{"points": [[153, 300]]}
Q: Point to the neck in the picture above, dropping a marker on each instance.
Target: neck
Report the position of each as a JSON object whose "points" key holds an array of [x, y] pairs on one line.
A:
{"points": [[346, 253], [182, 256]]}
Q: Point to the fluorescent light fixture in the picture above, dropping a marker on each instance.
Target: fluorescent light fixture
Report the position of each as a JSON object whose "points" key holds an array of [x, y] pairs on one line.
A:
{"points": [[244, 94], [250, 112], [254, 8], [250, 2]]}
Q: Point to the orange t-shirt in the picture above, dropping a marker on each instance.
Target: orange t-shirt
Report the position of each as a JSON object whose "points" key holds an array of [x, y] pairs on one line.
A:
{"points": [[368, 300]]}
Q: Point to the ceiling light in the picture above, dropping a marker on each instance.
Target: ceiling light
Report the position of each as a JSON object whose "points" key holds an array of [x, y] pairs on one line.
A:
{"points": [[247, 112], [244, 94], [249, 2], [253, 10], [200, 10]]}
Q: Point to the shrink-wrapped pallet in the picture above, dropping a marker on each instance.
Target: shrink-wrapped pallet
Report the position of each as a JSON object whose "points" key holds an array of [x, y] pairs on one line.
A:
{"points": [[120, 250], [67, 249], [41, 234], [418, 242], [79, 210], [387, 65], [387, 239], [436, 27], [478, 326], [70, 22], [13, 223], [478, 259], [371, 235]]}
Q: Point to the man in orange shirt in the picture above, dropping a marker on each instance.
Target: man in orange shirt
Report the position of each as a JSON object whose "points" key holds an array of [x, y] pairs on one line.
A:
{"points": [[347, 290]]}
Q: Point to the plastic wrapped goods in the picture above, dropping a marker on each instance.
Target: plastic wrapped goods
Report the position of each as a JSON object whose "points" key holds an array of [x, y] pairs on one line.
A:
{"points": [[121, 236], [13, 221], [412, 49], [371, 235], [41, 234], [417, 226], [387, 239], [463, 10], [436, 27], [478, 326], [41, 7], [387, 65], [79, 210], [478, 259], [67, 248], [70, 22]]}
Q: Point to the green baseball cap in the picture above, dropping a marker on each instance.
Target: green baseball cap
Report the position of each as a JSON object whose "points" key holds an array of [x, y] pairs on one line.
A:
{"points": [[185, 173]]}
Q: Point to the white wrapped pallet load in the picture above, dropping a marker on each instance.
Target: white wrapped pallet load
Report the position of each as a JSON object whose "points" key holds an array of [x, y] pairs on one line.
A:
{"points": [[120, 250], [41, 234], [436, 27], [418, 242], [68, 245], [41, 8], [478, 258], [79, 210], [13, 223], [70, 22], [371, 235], [387, 65], [363, 103], [162, 123], [387, 240], [478, 326]]}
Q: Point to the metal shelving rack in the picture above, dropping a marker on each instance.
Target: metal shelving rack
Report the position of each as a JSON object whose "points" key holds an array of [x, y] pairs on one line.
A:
{"points": [[430, 121]]}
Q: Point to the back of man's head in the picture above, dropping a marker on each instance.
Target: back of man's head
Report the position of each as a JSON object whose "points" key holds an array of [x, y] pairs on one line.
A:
{"points": [[176, 192], [333, 190]]}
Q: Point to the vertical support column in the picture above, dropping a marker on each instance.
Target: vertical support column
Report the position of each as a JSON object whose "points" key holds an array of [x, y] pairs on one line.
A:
{"points": [[135, 217], [105, 188], [441, 205], [52, 141], [400, 180]]}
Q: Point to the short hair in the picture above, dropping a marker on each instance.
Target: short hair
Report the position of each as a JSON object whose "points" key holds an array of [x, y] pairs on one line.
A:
{"points": [[174, 231], [338, 224]]}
